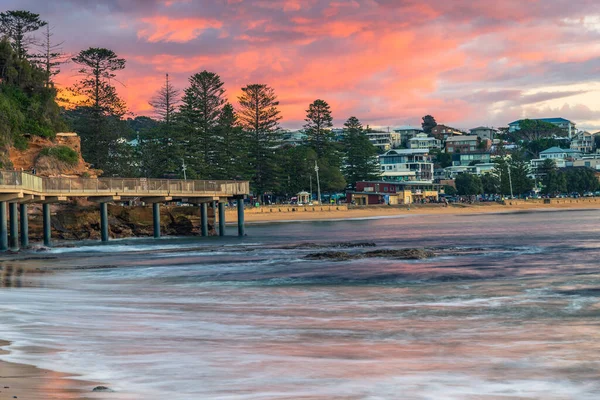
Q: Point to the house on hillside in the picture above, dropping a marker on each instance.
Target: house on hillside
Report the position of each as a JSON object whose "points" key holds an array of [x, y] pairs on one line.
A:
{"points": [[442, 132], [472, 158], [583, 142], [406, 165], [462, 144], [556, 153], [383, 141], [424, 142], [562, 158], [406, 133], [483, 132], [562, 123]]}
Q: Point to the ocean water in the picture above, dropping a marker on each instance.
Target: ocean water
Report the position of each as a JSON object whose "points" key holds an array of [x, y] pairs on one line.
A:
{"points": [[508, 309]]}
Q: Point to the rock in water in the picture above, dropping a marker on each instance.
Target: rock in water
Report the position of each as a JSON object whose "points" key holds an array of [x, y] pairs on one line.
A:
{"points": [[405, 254], [102, 389], [333, 255]]}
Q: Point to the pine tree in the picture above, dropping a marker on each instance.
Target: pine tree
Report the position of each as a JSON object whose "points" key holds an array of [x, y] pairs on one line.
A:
{"points": [[317, 127], [16, 25], [159, 150], [50, 56], [361, 156], [165, 102], [198, 118], [97, 118], [98, 66], [231, 145], [259, 117]]}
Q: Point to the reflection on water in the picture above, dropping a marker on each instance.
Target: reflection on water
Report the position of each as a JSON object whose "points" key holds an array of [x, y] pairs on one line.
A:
{"points": [[515, 317]]}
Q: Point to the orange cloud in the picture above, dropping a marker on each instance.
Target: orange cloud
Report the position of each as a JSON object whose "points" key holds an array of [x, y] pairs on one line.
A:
{"points": [[163, 29]]}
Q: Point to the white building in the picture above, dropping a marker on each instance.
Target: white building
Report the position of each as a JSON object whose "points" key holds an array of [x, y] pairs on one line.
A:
{"points": [[556, 153], [406, 133], [583, 142], [406, 165], [424, 142], [384, 141]]}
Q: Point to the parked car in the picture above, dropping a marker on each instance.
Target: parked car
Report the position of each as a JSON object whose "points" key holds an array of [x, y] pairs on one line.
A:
{"points": [[588, 194]]}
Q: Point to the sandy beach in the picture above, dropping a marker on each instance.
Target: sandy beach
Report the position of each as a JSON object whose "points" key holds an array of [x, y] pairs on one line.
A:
{"points": [[252, 216], [19, 381]]}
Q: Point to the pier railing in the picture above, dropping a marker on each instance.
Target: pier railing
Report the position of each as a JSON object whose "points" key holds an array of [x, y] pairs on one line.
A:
{"points": [[120, 186]]}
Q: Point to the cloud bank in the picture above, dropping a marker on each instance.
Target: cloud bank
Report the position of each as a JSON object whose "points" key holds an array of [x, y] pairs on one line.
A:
{"points": [[387, 62]]}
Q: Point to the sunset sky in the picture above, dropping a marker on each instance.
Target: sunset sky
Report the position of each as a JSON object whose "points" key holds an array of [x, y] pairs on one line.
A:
{"points": [[388, 62]]}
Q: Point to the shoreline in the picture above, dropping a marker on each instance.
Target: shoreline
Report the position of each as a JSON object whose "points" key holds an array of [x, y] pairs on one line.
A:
{"points": [[26, 381], [376, 212]]}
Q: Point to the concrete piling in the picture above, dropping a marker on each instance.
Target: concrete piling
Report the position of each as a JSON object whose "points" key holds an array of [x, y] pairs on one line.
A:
{"points": [[221, 219], [24, 225], [156, 219], [47, 225], [104, 221], [13, 226], [240, 210], [204, 219], [3, 228]]}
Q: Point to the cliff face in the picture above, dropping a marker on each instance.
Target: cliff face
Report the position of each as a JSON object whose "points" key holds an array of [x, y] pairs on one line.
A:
{"points": [[30, 158]]}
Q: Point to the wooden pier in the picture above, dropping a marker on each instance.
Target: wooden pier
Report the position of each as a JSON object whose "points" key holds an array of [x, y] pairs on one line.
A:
{"points": [[17, 189]]}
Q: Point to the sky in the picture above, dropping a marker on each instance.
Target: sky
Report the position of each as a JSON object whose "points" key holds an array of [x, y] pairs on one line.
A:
{"points": [[387, 62]]}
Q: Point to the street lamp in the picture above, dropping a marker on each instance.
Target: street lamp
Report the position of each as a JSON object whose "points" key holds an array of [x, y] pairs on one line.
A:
{"points": [[318, 183], [184, 168]]}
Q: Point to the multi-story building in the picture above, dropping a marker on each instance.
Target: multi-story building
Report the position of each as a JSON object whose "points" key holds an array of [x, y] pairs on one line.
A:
{"points": [[483, 132], [442, 132], [462, 144], [424, 142], [568, 126], [471, 158], [406, 165], [383, 141], [406, 133], [583, 142]]}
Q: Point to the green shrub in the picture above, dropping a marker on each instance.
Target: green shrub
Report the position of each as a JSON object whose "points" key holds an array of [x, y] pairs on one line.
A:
{"points": [[20, 143], [61, 153]]}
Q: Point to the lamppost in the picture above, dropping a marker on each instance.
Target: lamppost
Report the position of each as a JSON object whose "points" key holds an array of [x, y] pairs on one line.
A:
{"points": [[318, 183], [184, 168], [510, 182]]}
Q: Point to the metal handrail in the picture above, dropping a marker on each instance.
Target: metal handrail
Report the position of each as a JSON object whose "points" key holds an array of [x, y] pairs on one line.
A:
{"points": [[130, 186]]}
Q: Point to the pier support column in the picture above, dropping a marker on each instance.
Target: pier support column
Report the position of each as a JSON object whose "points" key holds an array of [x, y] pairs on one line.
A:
{"points": [[156, 219], [204, 219], [221, 219], [47, 225], [14, 226], [3, 229], [104, 221], [240, 210], [24, 225]]}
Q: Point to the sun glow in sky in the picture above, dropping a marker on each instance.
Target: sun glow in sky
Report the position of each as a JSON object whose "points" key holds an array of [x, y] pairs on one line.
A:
{"points": [[388, 62]]}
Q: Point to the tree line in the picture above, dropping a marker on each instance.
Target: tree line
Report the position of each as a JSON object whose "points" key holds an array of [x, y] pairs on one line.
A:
{"points": [[195, 133]]}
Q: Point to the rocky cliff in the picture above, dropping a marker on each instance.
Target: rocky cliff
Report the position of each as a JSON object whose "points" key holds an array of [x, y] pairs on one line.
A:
{"points": [[33, 158]]}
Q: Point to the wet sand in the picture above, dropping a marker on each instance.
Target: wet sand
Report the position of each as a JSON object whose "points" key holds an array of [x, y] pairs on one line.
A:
{"points": [[19, 381]]}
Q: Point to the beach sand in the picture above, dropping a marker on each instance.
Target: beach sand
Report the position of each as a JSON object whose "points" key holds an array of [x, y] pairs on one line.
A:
{"points": [[27, 382], [415, 209]]}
